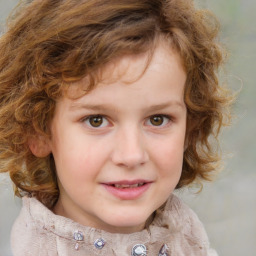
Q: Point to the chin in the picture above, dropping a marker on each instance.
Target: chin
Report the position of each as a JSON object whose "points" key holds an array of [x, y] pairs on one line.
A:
{"points": [[127, 223]]}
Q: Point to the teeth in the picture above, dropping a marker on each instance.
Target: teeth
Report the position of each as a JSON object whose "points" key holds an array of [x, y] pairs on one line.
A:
{"points": [[128, 186]]}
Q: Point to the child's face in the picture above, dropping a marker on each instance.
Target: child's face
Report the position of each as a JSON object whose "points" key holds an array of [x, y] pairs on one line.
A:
{"points": [[119, 149]]}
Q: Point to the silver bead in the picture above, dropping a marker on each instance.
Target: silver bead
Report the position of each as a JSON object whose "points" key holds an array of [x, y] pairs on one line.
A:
{"points": [[78, 236], [139, 250], [99, 243], [163, 251], [77, 246]]}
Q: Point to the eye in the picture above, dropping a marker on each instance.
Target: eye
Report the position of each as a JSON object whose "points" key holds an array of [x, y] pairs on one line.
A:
{"points": [[97, 121], [158, 120]]}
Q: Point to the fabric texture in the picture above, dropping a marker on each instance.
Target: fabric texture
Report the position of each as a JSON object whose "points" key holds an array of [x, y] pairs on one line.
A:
{"points": [[175, 229]]}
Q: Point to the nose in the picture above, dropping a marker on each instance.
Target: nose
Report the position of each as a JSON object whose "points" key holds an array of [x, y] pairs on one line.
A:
{"points": [[129, 148]]}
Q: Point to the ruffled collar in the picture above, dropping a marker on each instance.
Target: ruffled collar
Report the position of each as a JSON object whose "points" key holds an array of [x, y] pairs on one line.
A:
{"points": [[155, 238]]}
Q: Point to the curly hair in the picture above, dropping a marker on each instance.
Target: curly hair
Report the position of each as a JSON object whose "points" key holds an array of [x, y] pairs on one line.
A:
{"points": [[50, 44]]}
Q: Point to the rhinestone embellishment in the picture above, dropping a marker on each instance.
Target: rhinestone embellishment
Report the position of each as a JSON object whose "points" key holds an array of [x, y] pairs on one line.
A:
{"points": [[163, 251], [99, 243], [78, 236], [139, 250], [77, 247]]}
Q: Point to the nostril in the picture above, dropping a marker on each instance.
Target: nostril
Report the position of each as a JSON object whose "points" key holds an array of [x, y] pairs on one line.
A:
{"points": [[130, 159], [129, 149]]}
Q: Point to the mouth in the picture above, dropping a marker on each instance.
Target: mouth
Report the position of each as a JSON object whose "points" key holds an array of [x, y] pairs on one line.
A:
{"points": [[128, 190], [124, 186]]}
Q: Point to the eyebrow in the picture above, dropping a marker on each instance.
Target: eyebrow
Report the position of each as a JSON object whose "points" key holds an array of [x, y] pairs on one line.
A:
{"points": [[101, 107], [175, 103], [93, 107]]}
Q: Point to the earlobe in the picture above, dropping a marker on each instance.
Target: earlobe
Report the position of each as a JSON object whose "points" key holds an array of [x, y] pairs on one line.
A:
{"points": [[39, 146]]}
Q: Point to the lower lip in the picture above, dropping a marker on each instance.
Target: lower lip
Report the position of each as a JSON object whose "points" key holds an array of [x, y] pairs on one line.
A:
{"points": [[127, 193]]}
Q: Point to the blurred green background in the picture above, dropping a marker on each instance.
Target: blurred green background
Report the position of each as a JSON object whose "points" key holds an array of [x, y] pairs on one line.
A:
{"points": [[227, 207]]}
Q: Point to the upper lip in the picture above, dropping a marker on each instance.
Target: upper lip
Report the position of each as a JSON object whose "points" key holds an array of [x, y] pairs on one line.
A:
{"points": [[127, 182]]}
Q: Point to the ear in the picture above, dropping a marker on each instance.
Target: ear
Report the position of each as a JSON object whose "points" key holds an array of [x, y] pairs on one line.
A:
{"points": [[39, 145]]}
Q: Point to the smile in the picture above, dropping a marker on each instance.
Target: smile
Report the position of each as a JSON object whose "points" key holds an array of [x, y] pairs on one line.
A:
{"points": [[127, 190], [127, 185]]}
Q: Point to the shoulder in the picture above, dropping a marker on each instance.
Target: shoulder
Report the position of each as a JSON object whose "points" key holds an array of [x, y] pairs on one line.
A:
{"points": [[188, 232], [27, 236]]}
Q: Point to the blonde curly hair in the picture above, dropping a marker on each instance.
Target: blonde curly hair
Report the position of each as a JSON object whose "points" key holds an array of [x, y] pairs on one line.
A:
{"points": [[51, 44]]}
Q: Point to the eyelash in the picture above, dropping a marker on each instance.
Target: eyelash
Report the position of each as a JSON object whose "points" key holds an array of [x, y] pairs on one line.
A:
{"points": [[89, 118], [103, 119], [164, 118]]}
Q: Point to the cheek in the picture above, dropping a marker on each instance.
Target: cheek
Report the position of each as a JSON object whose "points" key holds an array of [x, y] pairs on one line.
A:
{"points": [[172, 164], [80, 162], [169, 151], [169, 158]]}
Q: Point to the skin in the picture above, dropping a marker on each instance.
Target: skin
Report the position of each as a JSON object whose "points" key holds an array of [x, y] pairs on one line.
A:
{"points": [[139, 136]]}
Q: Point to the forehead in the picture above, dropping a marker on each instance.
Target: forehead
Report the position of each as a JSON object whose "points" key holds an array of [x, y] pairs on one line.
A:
{"points": [[128, 69]]}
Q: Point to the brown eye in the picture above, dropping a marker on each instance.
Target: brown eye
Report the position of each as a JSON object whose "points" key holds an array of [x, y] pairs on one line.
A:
{"points": [[158, 120], [96, 121]]}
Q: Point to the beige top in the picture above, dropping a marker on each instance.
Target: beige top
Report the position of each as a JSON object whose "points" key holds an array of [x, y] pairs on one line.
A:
{"points": [[175, 230]]}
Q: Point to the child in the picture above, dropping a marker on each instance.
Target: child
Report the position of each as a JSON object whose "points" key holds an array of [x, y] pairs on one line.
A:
{"points": [[107, 107]]}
